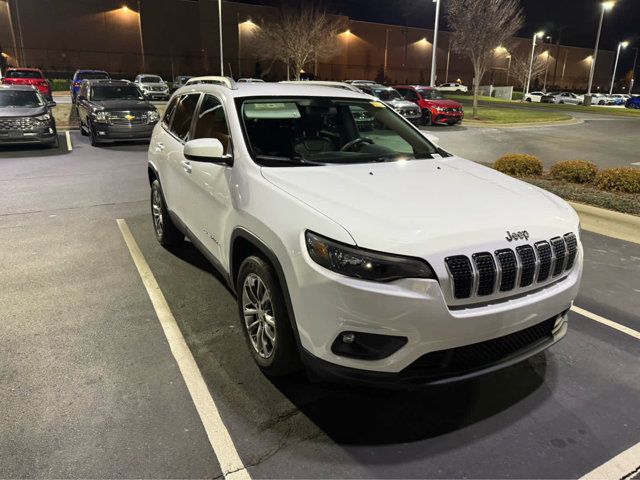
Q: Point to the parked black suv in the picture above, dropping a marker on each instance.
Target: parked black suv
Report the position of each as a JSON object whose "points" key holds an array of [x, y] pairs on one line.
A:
{"points": [[114, 110], [25, 116]]}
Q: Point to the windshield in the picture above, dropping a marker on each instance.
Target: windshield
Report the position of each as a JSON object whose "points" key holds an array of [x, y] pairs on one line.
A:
{"points": [[387, 94], [429, 94], [320, 130], [115, 92], [150, 79], [93, 76], [15, 98], [23, 74]]}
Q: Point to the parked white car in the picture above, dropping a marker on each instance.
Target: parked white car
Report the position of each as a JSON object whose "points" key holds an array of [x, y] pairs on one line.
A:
{"points": [[153, 87], [533, 97], [453, 87], [363, 256]]}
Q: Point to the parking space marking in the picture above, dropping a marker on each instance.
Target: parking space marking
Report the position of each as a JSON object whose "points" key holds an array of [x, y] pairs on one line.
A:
{"points": [[636, 163], [69, 144], [221, 442], [619, 467], [604, 321]]}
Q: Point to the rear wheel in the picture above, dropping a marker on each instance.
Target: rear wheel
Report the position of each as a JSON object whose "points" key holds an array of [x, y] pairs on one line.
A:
{"points": [[166, 232], [528, 99], [265, 319]]}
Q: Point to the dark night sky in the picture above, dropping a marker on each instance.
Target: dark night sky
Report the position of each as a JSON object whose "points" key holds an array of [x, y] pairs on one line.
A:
{"points": [[575, 20]]}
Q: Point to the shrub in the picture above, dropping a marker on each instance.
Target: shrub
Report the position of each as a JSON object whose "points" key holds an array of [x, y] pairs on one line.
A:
{"points": [[625, 180], [519, 165], [574, 171], [59, 84]]}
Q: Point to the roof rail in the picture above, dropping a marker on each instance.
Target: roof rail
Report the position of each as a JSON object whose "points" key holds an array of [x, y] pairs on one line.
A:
{"points": [[226, 81]]}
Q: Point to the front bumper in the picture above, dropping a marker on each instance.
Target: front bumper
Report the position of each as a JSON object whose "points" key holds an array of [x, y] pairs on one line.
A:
{"points": [[447, 117], [45, 135], [157, 95], [451, 365], [110, 132], [327, 304]]}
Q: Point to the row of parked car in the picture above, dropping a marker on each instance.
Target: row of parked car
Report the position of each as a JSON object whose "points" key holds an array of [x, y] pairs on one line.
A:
{"points": [[570, 98]]}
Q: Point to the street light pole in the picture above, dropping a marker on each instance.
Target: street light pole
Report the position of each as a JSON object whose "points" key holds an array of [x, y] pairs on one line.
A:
{"points": [[605, 7], [621, 45], [220, 29], [144, 60], [434, 50], [533, 50], [633, 72], [546, 69]]}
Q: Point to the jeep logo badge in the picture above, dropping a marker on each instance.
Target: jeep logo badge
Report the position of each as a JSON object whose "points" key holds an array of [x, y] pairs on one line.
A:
{"points": [[511, 236]]}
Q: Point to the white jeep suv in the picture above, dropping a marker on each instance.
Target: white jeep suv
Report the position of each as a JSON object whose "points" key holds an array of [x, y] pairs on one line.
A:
{"points": [[368, 255]]}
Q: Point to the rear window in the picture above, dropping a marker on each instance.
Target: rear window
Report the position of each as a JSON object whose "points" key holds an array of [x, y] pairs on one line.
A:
{"points": [[23, 74], [92, 76]]}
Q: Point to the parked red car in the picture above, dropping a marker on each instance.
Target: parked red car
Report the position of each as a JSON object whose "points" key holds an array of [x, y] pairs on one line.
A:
{"points": [[436, 109], [28, 76]]}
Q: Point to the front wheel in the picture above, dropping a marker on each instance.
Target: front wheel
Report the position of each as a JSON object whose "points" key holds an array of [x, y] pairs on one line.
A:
{"points": [[528, 100], [265, 319], [93, 138], [426, 118]]}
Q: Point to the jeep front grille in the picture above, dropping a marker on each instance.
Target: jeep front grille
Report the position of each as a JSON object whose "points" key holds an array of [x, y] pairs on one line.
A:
{"points": [[505, 270]]}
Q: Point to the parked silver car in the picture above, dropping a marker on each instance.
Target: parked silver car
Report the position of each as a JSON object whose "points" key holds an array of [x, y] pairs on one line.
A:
{"points": [[153, 87], [562, 98], [392, 97]]}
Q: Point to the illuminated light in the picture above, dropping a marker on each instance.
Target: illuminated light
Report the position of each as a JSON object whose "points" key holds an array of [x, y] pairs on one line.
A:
{"points": [[347, 32], [458, 80], [624, 44], [125, 8], [608, 5], [540, 34]]}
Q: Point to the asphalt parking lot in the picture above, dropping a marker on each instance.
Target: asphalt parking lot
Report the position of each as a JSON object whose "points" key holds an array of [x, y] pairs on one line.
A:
{"points": [[608, 141], [90, 388]]}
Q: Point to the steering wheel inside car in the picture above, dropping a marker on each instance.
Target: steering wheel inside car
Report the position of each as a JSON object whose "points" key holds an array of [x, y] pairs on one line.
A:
{"points": [[356, 141]]}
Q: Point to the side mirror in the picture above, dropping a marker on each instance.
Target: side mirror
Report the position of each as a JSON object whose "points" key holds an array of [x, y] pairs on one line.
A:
{"points": [[51, 104], [208, 150], [80, 98]]}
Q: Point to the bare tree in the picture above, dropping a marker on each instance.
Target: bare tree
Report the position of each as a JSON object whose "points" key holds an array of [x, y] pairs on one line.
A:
{"points": [[520, 67], [299, 36], [479, 26]]}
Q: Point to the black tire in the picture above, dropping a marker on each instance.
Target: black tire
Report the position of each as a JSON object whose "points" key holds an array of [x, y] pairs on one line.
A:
{"points": [[56, 142], [561, 102], [528, 100], [458, 91], [426, 118], [83, 132], [166, 232], [277, 353], [93, 138]]}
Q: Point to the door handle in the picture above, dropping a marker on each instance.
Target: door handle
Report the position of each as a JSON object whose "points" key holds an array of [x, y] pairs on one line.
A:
{"points": [[186, 165], [159, 147]]}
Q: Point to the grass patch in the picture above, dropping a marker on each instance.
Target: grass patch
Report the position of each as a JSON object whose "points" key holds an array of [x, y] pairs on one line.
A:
{"points": [[514, 115], [62, 114], [620, 202], [467, 101]]}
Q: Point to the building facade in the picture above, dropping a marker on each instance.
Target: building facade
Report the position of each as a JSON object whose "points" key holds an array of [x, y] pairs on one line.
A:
{"points": [[181, 37]]}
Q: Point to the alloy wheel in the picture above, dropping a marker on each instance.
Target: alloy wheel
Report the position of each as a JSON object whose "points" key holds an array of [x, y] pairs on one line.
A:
{"points": [[257, 309], [156, 210]]}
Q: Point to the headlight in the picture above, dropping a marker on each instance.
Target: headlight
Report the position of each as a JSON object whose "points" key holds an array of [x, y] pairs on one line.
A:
{"points": [[153, 116], [364, 264], [43, 118], [101, 117]]}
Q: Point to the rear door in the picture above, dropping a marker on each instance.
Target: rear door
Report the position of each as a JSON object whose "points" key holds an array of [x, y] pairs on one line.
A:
{"points": [[176, 171]]}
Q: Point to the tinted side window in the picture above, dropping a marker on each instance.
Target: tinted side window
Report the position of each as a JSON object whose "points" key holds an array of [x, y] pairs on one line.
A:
{"points": [[411, 96], [171, 108], [185, 108], [212, 122]]}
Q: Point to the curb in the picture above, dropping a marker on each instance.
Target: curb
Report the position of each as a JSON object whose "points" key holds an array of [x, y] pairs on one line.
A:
{"points": [[609, 223], [560, 123]]}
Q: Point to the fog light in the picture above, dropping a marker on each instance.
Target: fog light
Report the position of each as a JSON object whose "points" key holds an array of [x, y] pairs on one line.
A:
{"points": [[367, 346], [348, 337]]}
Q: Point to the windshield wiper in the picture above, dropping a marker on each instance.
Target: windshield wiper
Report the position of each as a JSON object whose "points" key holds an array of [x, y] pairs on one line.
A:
{"points": [[298, 161]]}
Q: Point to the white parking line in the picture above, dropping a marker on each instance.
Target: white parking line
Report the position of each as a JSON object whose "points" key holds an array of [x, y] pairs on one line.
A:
{"points": [[69, 144], [221, 442], [619, 467], [604, 321]]}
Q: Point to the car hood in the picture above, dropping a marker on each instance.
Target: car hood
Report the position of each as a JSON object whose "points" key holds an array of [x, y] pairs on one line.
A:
{"points": [[421, 206], [21, 112], [123, 105], [445, 103], [401, 104]]}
